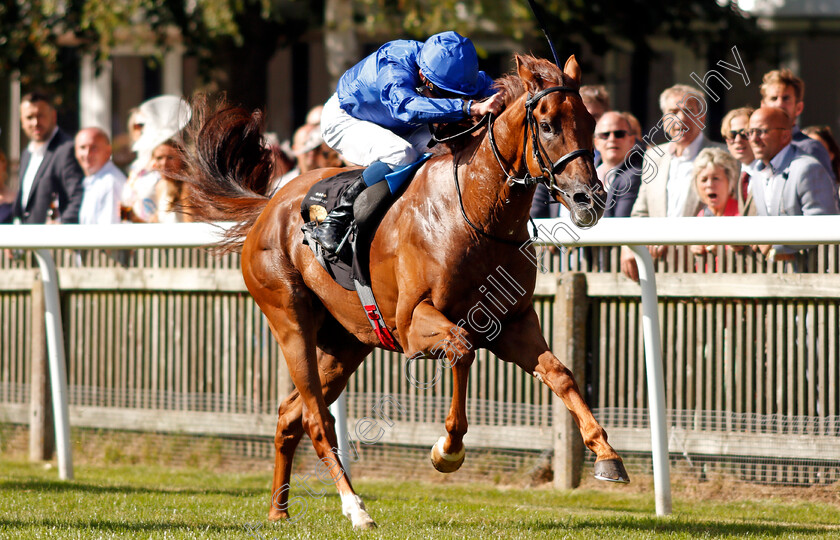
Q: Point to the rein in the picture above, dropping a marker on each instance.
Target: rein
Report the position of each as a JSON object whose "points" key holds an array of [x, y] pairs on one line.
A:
{"points": [[547, 178], [472, 129]]}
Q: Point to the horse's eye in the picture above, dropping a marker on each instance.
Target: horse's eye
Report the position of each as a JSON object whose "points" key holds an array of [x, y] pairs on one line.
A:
{"points": [[545, 127]]}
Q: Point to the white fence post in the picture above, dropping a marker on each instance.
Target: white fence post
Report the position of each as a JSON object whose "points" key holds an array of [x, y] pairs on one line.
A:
{"points": [[655, 381], [58, 369], [339, 411]]}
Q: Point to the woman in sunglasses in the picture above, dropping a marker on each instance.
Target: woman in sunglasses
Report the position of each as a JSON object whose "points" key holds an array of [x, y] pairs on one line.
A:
{"points": [[734, 129], [380, 115]]}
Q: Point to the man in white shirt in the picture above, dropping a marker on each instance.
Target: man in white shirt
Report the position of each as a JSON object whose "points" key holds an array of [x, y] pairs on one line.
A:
{"points": [[103, 182], [667, 191]]}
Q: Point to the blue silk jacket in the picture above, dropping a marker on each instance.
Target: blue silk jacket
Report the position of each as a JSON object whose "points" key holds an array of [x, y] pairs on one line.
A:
{"points": [[382, 88]]}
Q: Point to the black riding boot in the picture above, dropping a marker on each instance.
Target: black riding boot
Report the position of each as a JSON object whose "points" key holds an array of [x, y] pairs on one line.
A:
{"points": [[334, 228]]}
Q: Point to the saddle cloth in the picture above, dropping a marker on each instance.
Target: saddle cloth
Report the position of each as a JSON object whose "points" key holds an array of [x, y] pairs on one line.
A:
{"points": [[350, 268], [318, 202]]}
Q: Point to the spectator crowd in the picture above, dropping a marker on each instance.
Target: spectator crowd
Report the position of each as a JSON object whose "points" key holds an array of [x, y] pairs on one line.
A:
{"points": [[66, 178], [767, 166]]}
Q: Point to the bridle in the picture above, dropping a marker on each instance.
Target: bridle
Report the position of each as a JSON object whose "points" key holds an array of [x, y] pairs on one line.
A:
{"points": [[548, 174], [547, 177]]}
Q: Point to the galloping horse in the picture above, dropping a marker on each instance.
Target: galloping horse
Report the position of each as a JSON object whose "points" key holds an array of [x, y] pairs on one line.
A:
{"points": [[460, 219]]}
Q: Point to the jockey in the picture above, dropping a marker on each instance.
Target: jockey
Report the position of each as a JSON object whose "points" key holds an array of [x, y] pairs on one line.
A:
{"points": [[381, 112]]}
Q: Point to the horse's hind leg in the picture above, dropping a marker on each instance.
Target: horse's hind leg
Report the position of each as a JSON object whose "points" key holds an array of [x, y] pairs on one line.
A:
{"points": [[335, 373], [292, 317], [522, 342], [286, 439]]}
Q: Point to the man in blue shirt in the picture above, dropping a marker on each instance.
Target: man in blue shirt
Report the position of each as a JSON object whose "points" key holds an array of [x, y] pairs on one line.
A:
{"points": [[781, 88], [788, 181], [380, 114]]}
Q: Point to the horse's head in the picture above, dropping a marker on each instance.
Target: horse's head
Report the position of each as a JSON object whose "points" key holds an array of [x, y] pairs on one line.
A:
{"points": [[558, 137]]}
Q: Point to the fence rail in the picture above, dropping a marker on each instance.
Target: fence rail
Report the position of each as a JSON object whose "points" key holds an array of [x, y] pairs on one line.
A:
{"points": [[190, 340], [170, 338]]}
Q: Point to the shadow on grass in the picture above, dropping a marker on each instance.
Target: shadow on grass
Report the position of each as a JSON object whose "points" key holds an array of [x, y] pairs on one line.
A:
{"points": [[698, 528], [63, 486], [117, 526]]}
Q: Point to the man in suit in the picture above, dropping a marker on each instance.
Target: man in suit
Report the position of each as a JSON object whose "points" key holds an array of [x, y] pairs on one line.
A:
{"points": [[781, 88], [787, 182], [666, 189], [614, 140], [48, 167]]}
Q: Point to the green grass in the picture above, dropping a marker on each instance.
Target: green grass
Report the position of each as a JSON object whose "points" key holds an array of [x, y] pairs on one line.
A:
{"points": [[143, 501]]}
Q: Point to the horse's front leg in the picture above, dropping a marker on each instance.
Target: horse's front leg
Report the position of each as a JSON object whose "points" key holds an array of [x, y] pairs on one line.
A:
{"points": [[431, 334], [521, 342]]}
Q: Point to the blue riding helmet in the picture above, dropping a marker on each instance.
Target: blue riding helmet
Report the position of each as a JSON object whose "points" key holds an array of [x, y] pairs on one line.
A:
{"points": [[450, 62]]}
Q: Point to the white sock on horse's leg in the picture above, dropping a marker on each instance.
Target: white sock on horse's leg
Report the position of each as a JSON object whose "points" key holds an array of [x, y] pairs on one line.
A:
{"points": [[353, 507], [450, 457]]}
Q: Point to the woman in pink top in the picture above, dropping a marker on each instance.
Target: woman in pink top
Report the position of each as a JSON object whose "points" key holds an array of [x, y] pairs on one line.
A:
{"points": [[715, 180]]}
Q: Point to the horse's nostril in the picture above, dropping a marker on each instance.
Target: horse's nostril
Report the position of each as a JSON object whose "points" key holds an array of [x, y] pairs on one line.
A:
{"points": [[581, 199]]}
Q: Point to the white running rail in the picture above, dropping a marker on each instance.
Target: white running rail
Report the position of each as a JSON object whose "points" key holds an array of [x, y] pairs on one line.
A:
{"points": [[636, 233]]}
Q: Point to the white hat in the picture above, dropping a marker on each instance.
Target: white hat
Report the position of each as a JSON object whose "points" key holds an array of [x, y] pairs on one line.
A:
{"points": [[163, 118]]}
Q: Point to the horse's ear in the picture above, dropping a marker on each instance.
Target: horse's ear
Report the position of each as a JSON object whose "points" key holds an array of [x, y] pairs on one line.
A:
{"points": [[572, 69], [526, 74]]}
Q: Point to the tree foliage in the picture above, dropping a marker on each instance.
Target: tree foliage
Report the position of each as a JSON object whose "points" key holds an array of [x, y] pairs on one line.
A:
{"points": [[239, 36], [603, 25], [33, 32]]}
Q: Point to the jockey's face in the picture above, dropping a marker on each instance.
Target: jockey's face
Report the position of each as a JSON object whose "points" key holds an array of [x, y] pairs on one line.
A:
{"points": [[432, 91]]}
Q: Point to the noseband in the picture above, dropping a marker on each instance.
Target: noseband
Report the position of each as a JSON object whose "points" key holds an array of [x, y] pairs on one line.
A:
{"points": [[548, 173]]}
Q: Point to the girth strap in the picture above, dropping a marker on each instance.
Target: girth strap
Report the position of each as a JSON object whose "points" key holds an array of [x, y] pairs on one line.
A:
{"points": [[377, 322]]}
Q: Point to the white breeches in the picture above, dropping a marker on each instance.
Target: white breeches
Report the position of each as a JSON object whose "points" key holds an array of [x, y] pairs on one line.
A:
{"points": [[361, 142]]}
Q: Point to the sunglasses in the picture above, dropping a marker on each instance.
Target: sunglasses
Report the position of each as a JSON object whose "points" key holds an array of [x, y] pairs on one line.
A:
{"points": [[618, 134], [735, 134], [761, 132]]}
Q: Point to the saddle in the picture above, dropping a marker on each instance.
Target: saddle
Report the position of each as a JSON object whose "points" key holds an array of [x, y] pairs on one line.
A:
{"points": [[352, 262], [320, 201]]}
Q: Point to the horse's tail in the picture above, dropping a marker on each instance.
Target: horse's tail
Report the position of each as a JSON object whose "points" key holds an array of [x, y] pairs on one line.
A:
{"points": [[229, 168]]}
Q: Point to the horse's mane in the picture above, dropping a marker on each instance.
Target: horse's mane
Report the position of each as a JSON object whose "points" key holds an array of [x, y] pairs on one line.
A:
{"points": [[513, 87], [541, 68]]}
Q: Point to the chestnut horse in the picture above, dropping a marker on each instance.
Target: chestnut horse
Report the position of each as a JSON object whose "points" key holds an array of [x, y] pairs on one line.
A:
{"points": [[461, 218]]}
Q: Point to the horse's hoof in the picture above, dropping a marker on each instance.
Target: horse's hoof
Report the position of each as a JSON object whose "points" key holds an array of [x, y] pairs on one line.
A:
{"points": [[277, 515], [611, 470], [365, 525], [446, 463], [353, 507]]}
